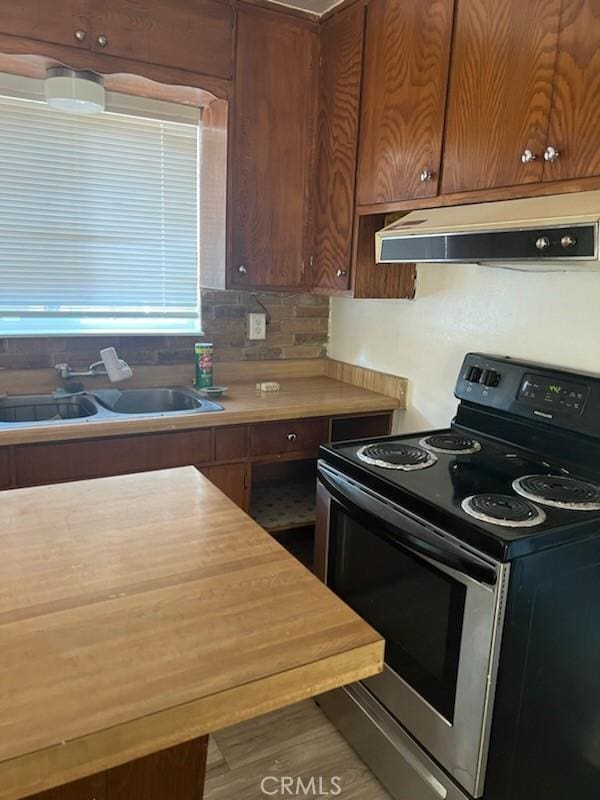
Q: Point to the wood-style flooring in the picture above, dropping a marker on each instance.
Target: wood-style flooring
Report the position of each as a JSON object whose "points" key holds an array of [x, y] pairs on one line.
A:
{"points": [[297, 741]]}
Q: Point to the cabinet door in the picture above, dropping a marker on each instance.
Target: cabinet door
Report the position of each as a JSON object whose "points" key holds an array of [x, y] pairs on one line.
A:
{"points": [[173, 774], [4, 468], [231, 479], [272, 150], [403, 99], [575, 117], [91, 788], [500, 93], [337, 142], [195, 35], [57, 22]]}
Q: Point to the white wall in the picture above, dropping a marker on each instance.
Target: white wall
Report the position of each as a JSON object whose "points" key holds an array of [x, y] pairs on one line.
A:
{"points": [[552, 318]]}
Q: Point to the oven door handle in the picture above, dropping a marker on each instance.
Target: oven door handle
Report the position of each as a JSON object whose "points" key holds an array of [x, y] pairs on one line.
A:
{"points": [[411, 535]]}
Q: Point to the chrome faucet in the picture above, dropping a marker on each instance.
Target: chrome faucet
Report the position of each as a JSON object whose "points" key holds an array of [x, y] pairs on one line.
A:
{"points": [[110, 365], [66, 373]]}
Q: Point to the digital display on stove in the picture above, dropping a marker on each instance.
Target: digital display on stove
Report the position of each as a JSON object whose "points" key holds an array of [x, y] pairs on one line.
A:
{"points": [[560, 396]]}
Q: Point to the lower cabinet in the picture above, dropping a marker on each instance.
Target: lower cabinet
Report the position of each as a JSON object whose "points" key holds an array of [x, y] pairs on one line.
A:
{"points": [[176, 773], [232, 457], [232, 480]]}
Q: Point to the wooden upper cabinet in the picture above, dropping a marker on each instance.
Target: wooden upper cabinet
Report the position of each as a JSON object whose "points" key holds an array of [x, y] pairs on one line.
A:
{"points": [[337, 142], [574, 130], [403, 99], [272, 150], [63, 22], [193, 35], [500, 92]]}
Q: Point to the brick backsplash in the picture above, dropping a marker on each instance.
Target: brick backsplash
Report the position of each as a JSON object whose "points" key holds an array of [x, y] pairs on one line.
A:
{"points": [[298, 329]]}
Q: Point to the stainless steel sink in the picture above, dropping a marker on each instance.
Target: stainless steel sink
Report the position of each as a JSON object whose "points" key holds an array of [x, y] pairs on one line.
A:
{"points": [[167, 401], [44, 408], [101, 405]]}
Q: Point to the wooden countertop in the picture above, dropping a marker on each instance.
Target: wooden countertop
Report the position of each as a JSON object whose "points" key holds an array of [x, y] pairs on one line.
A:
{"points": [[140, 611], [299, 397]]}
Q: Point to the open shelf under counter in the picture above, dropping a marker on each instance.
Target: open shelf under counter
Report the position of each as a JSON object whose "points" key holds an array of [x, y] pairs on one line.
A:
{"points": [[284, 506]]}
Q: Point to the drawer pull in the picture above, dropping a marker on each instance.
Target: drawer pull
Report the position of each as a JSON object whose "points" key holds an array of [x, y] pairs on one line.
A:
{"points": [[292, 437]]}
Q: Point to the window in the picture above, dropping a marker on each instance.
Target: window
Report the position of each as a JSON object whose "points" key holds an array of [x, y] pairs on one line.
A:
{"points": [[98, 217]]}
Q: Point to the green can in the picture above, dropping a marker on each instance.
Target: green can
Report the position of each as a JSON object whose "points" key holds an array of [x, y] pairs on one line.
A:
{"points": [[203, 357]]}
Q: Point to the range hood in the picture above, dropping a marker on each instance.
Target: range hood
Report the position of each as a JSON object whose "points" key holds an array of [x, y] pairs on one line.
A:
{"points": [[560, 230]]}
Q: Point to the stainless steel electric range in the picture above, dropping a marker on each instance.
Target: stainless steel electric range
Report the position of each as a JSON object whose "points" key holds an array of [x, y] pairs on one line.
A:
{"points": [[475, 552]]}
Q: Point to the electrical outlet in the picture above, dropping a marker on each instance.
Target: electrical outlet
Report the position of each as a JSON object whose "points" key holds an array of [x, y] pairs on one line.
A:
{"points": [[257, 326]]}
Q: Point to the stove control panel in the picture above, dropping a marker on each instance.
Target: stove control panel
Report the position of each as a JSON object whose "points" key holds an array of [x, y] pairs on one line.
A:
{"points": [[564, 395], [565, 399]]}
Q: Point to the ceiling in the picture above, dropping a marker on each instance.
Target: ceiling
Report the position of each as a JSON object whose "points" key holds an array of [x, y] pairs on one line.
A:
{"points": [[313, 6]]}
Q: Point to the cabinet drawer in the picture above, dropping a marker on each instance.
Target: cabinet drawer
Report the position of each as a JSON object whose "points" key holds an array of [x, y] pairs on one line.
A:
{"points": [[231, 443], [293, 436], [77, 460], [348, 428]]}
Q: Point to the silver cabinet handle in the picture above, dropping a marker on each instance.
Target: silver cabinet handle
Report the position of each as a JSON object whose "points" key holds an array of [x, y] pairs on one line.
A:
{"points": [[568, 241], [543, 243], [341, 273], [102, 40], [551, 153], [80, 35], [242, 270], [425, 176], [292, 437], [527, 156]]}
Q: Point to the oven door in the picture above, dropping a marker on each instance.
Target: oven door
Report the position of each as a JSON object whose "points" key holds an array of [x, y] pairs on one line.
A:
{"points": [[439, 607]]}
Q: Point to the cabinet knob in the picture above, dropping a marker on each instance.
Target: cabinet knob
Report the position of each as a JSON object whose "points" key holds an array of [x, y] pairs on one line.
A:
{"points": [[543, 243], [292, 437], [341, 273], [527, 156], [551, 153], [425, 176], [242, 270], [102, 40], [80, 35]]}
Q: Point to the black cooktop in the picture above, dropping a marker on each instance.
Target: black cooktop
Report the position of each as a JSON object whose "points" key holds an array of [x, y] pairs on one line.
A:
{"points": [[475, 468]]}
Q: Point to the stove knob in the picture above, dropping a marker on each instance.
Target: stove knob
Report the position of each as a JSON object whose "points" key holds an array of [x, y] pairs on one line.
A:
{"points": [[474, 374], [490, 378]]}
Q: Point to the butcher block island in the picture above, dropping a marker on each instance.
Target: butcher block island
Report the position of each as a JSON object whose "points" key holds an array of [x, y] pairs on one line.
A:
{"points": [[139, 613]]}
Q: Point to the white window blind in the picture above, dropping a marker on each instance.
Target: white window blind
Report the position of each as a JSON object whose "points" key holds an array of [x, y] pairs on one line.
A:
{"points": [[98, 221]]}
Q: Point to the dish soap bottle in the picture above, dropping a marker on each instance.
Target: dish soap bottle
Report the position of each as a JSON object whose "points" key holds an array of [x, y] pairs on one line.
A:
{"points": [[203, 357]]}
